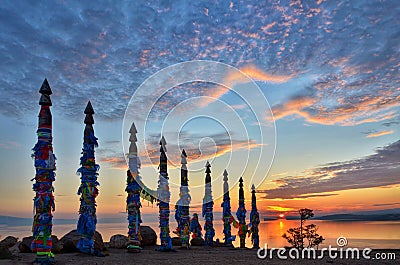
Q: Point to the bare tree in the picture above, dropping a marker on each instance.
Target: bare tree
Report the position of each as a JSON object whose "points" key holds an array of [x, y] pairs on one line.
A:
{"points": [[295, 236]]}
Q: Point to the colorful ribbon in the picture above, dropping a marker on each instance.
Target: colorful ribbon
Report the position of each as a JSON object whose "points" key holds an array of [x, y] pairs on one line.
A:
{"points": [[163, 201], [44, 162], [88, 189], [182, 206], [207, 210], [241, 216]]}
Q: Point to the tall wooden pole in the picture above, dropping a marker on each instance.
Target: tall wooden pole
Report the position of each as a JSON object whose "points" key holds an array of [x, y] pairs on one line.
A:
{"points": [[182, 206], [254, 219], [88, 189], [208, 209], [133, 190], [164, 199], [241, 215], [227, 217], [45, 166]]}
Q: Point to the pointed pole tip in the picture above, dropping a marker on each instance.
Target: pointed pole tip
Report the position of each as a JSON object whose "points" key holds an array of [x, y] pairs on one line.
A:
{"points": [[133, 128], [184, 153], [89, 108], [45, 88], [162, 141]]}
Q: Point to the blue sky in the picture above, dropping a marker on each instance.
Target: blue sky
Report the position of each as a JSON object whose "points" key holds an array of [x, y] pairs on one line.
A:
{"points": [[329, 70]]}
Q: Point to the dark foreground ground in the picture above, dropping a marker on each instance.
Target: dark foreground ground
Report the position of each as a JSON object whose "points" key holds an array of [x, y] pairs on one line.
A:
{"points": [[203, 255]]}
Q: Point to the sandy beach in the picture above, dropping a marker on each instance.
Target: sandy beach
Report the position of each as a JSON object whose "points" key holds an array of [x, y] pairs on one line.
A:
{"points": [[197, 255]]}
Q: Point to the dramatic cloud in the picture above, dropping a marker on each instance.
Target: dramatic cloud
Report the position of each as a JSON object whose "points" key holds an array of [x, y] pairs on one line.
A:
{"points": [[325, 108], [103, 51], [296, 105], [377, 170]]}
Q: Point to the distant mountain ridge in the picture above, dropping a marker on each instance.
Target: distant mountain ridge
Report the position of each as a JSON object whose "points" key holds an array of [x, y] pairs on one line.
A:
{"points": [[20, 221], [359, 217], [377, 215]]}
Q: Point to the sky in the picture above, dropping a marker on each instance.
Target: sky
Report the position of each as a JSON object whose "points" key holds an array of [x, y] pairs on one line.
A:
{"points": [[316, 126]]}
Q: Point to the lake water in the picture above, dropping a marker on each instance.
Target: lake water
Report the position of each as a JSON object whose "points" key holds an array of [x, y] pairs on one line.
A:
{"points": [[359, 234]]}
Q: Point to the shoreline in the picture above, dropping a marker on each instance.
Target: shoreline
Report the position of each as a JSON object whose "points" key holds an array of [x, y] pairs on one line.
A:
{"points": [[195, 256], [375, 235]]}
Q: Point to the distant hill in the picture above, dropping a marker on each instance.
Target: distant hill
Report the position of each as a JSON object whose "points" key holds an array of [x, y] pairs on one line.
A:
{"points": [[18, 221], [359, 217], [15, 221], [377, 212], [268, 218], [353, 217], [371, 215]]}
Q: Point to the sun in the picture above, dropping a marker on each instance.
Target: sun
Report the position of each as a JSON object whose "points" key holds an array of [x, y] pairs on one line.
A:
{"points": [[281, 215]]}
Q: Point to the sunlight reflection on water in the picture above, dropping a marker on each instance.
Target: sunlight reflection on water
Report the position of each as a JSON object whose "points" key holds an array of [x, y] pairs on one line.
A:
{"points": [[359, 234]]}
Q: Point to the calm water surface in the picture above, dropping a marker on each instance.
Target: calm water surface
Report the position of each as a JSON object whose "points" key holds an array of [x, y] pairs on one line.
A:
{"points": [[359, 234]]}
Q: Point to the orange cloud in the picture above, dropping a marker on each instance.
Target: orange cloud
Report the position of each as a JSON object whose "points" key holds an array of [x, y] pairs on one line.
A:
{"points": [[294, 106], [255, 74], [377, 134], [114, 162], [236, 77], [280, 208], [368, 109]]}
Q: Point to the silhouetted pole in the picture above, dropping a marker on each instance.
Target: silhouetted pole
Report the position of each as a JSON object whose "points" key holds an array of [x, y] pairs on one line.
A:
{"points": [[241, 215], [227, 217], [163, 199], [195, 227], [88, 188], [182, 206], [133, 189], [254, 219], [45, 166], [208, 209]]}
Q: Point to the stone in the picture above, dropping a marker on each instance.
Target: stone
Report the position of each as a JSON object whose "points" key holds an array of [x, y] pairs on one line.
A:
{"points": [[25, 245], [98, 242], [5, 253], [70, 241], [218, 243], [176, 241], [197, 241], [14, 250], [9, 241], [118, 241], [149, 236], [57, 245]]}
